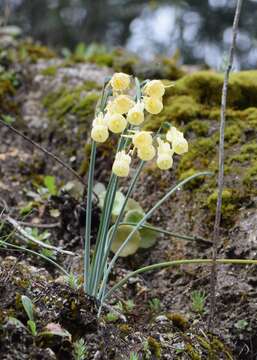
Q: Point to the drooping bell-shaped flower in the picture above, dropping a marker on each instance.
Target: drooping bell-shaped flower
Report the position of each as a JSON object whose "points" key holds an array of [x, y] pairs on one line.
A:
{"points": [[136, 114], [121, 164], [154, 88], [176, 138], [116, 123], [153, 105], [120, 81]]}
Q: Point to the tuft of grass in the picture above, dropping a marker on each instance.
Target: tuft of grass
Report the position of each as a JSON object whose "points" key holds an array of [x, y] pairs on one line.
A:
{"points": [[198, 299]]}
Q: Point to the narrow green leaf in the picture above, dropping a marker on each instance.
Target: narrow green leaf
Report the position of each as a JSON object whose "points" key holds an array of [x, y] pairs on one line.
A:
{"points": [[28, 307]]}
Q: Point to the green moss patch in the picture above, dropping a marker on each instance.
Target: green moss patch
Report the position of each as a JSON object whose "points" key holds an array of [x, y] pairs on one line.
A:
{"points": [[75, 101]]}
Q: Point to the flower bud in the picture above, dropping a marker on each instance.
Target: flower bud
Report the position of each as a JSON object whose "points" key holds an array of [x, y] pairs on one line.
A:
{"points": [[142, 139], [99, 133], [154, 88], [146, 153], [121, 164], [153, 105], [164, 161], [116, 123], [136, 114], [120, 81], [121, 104]]}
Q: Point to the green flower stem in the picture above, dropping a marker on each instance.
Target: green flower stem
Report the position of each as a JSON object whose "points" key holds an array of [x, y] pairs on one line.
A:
{"points": [[97, 262], [90, 185], [147, 215], [178, 262], [138, 89], [110, 237], [170, 233], [104, 97], [20, 248], [110, 197]]}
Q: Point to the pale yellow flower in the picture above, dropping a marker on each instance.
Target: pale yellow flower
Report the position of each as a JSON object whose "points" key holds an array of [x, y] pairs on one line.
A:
{"points": [[121, 164], [116, 123], [154, 88], [121, 104], [136, 114], [153, 104], [146, 153], [142, 139], [99, 133], [179, 143], [164, 161], [99, 120], [120, 81], [164, 147]]}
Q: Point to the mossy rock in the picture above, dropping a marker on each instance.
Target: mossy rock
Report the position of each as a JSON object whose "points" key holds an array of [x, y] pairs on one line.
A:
{"points": [[75, 101], [205, 87]]}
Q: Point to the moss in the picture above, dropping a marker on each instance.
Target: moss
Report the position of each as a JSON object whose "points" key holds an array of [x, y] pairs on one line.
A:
{"points": [[178, 320], [199, 156], [198, 127], [103, 59], [182, 108], [215, 348], [234, 134], [228, 203], [49, 71], [86, 105], [125, 329], [192, 352], [34, 51], [250, 117], [248, 153], [205, 87], [8, 85], [250, 178], [154, 346], [195, 183], [72, 101]]}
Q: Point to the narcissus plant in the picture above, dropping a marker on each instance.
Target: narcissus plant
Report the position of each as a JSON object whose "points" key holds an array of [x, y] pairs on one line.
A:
{"points": [[123, 108]]}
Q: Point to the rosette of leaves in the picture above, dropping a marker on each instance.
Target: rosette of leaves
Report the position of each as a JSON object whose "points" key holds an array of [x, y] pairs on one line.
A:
{"points": [[143, 238]]}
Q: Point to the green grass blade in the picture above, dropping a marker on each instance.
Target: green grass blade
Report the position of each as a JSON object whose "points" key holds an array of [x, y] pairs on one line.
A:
{"points": [[170, 233], [20, 248], [89, 215], [176, 263]]}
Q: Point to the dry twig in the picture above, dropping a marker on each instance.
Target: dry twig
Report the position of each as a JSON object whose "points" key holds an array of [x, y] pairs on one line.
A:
{"points": [[216, 230], [45, 151]]}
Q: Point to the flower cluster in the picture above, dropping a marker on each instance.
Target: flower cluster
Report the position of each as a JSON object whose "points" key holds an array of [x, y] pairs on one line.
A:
{"points": [[124, 115]]}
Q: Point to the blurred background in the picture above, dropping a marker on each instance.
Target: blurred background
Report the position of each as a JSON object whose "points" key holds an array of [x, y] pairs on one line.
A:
{"points": [[199, 29]]}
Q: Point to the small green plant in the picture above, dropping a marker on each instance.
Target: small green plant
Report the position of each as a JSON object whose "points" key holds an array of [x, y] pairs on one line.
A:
{"points": [[80, 351], [72, 281], [146, 350], [133, 356], [155, 305], [111, 317], [129, 305], [29, 309], [198, 299], [241, 324], [50, 184]]}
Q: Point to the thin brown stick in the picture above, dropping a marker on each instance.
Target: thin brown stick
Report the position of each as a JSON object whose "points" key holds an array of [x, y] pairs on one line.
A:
{"points": [[39, 226], [27, 237], [45, 151], [216, 230]]}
